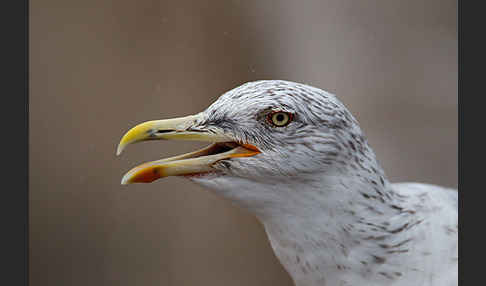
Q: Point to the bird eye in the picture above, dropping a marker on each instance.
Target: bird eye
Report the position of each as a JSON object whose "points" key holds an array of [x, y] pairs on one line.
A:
{"points": [[280, 118]]}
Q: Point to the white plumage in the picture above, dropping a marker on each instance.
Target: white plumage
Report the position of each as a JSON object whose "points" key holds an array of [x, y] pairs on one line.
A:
{"points": [[331, 215]]}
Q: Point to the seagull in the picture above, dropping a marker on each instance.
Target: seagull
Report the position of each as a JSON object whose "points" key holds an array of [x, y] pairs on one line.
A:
{"points": [[295, 157]]}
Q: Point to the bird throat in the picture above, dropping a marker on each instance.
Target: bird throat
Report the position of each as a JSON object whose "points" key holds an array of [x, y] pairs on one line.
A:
{"points": [[332, 228]]}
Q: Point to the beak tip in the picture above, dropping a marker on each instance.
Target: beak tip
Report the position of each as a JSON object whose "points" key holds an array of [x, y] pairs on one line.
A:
{"points": [[125, 181], [119, 149]]}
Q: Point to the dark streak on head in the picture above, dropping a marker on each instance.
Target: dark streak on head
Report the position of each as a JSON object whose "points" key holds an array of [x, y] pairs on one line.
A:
{"points": [[386, 275], [378, 259]]}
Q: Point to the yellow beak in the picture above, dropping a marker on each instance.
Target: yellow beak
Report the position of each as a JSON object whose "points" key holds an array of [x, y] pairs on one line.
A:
{"points": [[201, 161]]}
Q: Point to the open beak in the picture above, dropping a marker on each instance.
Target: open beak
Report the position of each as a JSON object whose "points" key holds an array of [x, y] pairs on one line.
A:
{"points": [[223, 147]]}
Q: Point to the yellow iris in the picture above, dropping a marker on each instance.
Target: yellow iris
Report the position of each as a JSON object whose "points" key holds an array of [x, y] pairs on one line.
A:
{"points": [[280, 119]]}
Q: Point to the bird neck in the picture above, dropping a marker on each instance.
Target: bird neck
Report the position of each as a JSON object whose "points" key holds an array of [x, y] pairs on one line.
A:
{"points": [[335, 225]]}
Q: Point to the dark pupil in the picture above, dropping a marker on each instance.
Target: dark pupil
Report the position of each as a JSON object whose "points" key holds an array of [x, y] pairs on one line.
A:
{"points": [[280, 117]]}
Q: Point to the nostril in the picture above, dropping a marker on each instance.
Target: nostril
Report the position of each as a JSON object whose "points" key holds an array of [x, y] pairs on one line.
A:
{"points": [[195, 130], [164, 131]]}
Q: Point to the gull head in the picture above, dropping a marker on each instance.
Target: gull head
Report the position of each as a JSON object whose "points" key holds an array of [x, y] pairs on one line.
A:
{"points": [[262, 133]]}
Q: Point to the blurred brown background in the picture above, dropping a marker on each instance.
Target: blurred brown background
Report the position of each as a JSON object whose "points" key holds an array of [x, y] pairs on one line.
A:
{"points": [[99, 67]]}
